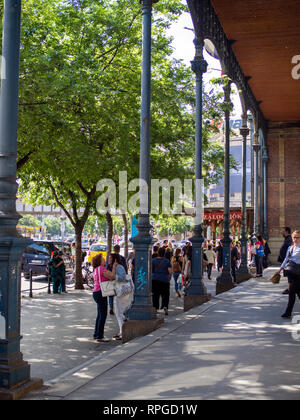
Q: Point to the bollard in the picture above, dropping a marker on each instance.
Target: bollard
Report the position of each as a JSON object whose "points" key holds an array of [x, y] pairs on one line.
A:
{"points": [[49, 284], [30, 291]]}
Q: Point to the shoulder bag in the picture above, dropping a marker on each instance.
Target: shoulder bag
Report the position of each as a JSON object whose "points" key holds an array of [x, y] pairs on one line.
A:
{"points": [[107, 287], [123, 289], [291, 267]]}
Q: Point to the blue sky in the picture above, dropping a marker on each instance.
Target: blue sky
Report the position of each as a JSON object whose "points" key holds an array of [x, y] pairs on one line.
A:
{"points": [[185, 50]]}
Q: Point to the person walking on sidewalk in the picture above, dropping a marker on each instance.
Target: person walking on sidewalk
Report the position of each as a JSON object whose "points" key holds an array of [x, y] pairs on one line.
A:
{"points": [[177, 265], [117, 250], [234, 260], [288, 241], [293, 255], [260, 253], [62, 286], [161, 275], [211, 259], [101, 274], [121, 303], [219, 255]]}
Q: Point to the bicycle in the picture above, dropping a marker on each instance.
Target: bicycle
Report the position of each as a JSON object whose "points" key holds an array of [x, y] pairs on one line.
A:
{"points": [[88, 275]]}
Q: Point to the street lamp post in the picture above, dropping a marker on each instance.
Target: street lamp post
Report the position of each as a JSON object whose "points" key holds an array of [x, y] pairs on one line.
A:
{"points": [[265, 159], [197, 289], [250, 118], [224, 281], [243, 272], [256, 149], [14, 372], [142, 308]]}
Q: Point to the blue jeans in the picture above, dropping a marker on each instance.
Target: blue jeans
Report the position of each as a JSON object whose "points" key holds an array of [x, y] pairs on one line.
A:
{"points": [[111, 302], [177, 286], [101, 314]]}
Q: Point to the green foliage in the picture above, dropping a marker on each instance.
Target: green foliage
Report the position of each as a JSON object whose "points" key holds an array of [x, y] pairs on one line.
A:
{"points": [[175, 225], [80, 100], [29, 220]]}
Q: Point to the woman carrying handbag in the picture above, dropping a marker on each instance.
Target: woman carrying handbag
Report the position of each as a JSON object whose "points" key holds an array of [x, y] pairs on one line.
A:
{"points": [[291, 266], [101, 276], [124, 288]]}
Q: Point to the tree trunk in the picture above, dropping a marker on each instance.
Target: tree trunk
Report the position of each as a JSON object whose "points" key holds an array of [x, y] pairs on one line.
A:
{"points": [[109, 221], [124, 216], [78, 267]]}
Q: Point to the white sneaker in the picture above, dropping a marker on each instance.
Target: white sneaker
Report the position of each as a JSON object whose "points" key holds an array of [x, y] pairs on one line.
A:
{"points": [[103, 340]]}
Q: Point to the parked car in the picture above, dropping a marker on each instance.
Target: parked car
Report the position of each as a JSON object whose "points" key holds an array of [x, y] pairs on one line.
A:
{"points": [[36, 258], [96, 249], [52, 246]]}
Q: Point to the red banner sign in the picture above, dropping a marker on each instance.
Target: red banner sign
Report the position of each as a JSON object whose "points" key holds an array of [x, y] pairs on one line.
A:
{"points": [[234, 215]]}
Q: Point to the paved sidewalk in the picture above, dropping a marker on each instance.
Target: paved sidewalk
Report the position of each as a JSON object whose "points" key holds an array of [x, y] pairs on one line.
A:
{"points": [[234, 347], [57, 330]]}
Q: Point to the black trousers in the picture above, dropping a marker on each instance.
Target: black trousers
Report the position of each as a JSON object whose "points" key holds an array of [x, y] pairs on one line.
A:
{"points": [[259, 264], [294, 289], [160, 289], [209, 270]]}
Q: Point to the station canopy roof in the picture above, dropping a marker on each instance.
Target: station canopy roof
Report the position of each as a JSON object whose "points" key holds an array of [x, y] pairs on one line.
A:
{"points": [[267, 35]]}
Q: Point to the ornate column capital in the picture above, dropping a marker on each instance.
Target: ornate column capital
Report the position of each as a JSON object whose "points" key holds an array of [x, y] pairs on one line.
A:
{"points": [[227, 104], [244, 131], [199, 65], [256, 147], [264, 156]]}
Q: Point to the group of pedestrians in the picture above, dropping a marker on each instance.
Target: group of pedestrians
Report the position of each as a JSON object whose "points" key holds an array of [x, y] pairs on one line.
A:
{"points": [[168, 263], [235, 255]]}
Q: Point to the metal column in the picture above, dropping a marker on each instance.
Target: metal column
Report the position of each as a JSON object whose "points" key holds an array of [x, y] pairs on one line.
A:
{"points": [[14, 372], [265, 159], [142, 308], [250, 118], [256, 149], [199, 67], [243, 272], [225, 281]]}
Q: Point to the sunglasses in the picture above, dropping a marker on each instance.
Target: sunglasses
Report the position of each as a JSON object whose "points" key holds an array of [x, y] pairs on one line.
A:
{"points": [[296, 237]]}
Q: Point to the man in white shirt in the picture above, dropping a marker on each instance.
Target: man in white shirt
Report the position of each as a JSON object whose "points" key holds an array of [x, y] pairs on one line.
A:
{"points": [[211, 259]]}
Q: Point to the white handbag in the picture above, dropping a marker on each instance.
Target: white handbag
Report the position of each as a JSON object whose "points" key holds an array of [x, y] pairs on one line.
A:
{"points": [[107, 287], [123, 289]]}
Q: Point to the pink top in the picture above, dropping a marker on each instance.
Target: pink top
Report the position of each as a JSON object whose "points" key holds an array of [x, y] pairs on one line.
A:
{"points": [[97, 286]]}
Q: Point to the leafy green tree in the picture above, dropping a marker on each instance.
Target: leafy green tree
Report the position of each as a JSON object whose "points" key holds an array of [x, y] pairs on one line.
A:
{"points": [[29, 220], [80, 103], [80, 98], [175, 225]]}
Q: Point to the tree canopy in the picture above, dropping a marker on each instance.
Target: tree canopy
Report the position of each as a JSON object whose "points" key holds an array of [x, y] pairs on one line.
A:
{"points": [[80, 98]]}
